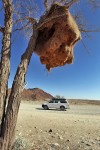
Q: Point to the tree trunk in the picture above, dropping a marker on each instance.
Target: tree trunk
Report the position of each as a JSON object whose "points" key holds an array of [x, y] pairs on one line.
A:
{"points": [[15, 96], [5, 58]]}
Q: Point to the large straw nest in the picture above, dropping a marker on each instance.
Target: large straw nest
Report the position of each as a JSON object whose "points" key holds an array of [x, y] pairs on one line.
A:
{"points": [[57, 35]]}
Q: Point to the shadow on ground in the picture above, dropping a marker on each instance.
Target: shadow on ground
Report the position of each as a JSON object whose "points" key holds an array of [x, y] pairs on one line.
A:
{"points": [[49, 109]]}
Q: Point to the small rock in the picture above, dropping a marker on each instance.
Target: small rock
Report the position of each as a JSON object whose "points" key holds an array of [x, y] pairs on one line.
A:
{"points": [[82, 141], [53, 136], [67, 148], [44, 132], [54, 145], [80, 146], [93, 142], [20, 133], [88, 144], [40, 130], [97, 139], [50, 130], [68, 140], [60, 137]]}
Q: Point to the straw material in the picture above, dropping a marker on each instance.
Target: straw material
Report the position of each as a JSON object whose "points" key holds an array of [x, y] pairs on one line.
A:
{"points": [[58, 33]]}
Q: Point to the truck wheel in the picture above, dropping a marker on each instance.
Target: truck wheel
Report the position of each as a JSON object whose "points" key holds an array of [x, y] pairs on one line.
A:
{"points": [[62, 108], [46, 107]]}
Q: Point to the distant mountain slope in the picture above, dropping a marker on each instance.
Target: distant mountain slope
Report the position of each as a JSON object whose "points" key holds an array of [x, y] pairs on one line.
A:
{"points": [[83, 102], [35, 94]]}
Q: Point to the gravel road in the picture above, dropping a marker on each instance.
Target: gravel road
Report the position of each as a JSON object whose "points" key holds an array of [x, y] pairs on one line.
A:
{"points": [[74, 109], [78, 128]]}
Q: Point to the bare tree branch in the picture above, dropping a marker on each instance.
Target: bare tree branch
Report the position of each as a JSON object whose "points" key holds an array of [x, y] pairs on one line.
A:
{"points": [[95, 3], [22, 28], [1, 8], [54, 1], [1, 29], [69, 4], [85, 46], [26, 18], [86, 30], [46, 4]]}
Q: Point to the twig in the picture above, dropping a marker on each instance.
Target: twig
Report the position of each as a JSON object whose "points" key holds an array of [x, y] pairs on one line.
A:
{"points": [[84, 30], [22, 28], [30, 20], [1, 8], [46, 4], [69, 4], [85, 46], [1, 29]]}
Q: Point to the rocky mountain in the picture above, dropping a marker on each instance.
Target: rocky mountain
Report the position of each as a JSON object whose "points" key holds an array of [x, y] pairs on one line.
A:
{"points": [[35, 94]]}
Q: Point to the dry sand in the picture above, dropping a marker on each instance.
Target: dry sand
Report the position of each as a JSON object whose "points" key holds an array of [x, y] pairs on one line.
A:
{"points": [[78, 128]]}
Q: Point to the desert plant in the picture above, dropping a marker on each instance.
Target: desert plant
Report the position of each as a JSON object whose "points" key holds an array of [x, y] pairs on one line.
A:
{"points": [[59, 97]]}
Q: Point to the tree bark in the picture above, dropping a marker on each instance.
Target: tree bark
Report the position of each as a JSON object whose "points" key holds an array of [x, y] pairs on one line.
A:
{"points": [[15, 96], [5, 58]]}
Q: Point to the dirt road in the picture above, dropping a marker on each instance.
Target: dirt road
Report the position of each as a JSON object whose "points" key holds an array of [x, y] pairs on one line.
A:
{"points": [[78, 128]]}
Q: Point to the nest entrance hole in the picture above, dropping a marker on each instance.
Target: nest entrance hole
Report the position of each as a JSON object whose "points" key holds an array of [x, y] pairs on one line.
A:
{"points": [[45, 34]]}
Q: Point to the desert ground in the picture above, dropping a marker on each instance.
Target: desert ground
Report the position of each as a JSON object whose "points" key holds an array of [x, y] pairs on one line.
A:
{"points": [[77, 128]]}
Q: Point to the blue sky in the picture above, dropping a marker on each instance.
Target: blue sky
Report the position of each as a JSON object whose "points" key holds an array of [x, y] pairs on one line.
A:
{"points": [[78, 80]]}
